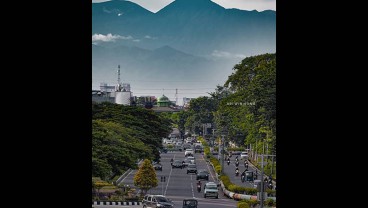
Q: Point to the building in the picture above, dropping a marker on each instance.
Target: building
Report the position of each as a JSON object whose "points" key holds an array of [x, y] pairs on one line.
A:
{"points": [[119, 94], [165, 105]]}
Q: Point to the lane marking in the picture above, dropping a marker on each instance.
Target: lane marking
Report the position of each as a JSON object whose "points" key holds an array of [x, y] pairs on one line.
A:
{"points": [[168, 180], [191, 184]]}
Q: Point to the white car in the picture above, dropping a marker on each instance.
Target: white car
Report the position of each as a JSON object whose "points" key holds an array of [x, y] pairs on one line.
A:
{"points": [[188, 152], [244, 155], [191, 159], [210, 190]]}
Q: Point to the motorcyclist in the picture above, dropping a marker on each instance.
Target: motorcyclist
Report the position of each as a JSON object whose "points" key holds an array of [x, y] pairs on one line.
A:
{"points": [[171, 161], [237, 163], [236, 171], [255, 175], [199, 187], [228, 161], [243, 176]]}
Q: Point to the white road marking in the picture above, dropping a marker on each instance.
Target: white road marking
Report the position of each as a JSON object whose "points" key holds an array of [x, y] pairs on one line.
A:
{"points": [[168, 180]]}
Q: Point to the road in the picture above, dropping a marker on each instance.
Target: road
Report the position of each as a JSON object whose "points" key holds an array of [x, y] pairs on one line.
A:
{"points": [[179, 185], [230, 171]]}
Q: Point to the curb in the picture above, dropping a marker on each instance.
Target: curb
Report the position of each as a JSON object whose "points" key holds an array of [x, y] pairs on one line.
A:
{"points": [[116, 203]]}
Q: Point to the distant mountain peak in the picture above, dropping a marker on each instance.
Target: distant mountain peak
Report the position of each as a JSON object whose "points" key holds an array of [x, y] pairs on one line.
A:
{"points": [[191, 5]]}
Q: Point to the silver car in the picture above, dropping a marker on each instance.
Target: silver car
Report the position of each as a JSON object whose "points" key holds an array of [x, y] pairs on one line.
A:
{"points": [[158, 201]]}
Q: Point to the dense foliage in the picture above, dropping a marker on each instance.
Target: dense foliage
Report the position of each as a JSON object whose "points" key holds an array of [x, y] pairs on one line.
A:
{"points": [[244, 108], [121, 135]]}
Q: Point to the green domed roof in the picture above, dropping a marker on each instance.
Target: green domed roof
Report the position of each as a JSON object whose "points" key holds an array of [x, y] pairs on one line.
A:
{"points": [[163, 98]]}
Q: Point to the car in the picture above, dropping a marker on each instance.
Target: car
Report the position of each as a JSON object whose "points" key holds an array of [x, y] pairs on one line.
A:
{"points": [[192, 168], [157, 166], [244, 155], [177, 164], [157, 201], [187, 146], [188, 152], [210, 190], [186, 162], [190, 203], [198, 148], [191, 159], [203, 174]]}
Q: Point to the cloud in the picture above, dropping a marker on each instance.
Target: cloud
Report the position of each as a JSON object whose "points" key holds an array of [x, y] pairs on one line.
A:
{"points": [[109, 37], [149, 37], [225, 54], [137, 40]]}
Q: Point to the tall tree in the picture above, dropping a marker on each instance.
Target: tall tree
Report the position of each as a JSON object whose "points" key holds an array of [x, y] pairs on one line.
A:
{"points": [[145, 178]]}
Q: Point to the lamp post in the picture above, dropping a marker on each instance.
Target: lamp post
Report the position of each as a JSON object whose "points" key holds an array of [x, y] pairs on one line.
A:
{"points": [[222, 155], [262, 183]]}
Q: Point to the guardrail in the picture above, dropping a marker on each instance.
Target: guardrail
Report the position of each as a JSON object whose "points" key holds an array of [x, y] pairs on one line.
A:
{"points": [[126, 173], [122, 176]]}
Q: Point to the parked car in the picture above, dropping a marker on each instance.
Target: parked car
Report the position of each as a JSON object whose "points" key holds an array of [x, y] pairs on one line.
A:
{"points": [[157, 201]]}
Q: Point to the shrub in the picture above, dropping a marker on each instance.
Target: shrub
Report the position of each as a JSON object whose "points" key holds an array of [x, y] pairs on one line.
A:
{"points": [[270, 202], [250, 191], [218, 169], [253, 202], [225, 180], [271, 192], [116, 198], [242, 204], [169, 146]]}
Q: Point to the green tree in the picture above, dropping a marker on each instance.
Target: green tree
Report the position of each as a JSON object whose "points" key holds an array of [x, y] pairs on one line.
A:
{"points": [[145, 178]]}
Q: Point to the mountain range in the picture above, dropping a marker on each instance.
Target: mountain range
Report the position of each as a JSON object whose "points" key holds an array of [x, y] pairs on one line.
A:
{"points": [[187, 38]]}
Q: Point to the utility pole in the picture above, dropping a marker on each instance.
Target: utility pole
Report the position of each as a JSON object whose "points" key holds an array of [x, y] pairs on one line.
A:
{"points": [[262, 182], [222, 153]]}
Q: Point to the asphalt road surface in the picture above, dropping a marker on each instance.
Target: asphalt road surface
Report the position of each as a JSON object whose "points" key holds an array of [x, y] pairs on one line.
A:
{"points": [[230, 171], [179, 185]]}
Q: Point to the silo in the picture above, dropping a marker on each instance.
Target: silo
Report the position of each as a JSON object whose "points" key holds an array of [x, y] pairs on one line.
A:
{"points": [[122, 98]]}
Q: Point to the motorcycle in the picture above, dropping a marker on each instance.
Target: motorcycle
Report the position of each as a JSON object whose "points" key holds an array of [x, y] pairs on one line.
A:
{"points": [[236, 163], [237, 173], [243, 178], [228, 162], [270, 186], [199, 188]]}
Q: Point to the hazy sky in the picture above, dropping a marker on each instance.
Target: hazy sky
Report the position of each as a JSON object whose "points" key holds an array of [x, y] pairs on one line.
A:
{"points": [[260, 5]]}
